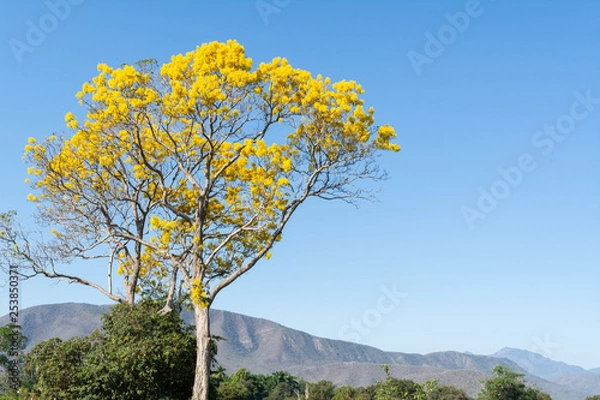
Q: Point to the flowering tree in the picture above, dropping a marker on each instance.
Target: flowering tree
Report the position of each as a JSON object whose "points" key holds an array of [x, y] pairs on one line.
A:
{"points": [[183, 177]]}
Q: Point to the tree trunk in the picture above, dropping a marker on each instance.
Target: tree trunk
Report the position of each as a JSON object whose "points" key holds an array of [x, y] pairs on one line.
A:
{"points": [[129, 293], [203, 356]]}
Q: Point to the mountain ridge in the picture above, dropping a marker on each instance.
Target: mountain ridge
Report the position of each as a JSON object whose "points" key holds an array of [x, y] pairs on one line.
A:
{"points": [[263, 346], [541, 366]]}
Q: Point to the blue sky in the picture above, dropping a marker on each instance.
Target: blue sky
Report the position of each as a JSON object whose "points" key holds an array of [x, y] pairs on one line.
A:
{"points": [[510, 86]]}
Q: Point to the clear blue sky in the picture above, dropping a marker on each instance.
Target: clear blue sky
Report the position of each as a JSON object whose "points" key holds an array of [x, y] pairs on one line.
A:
{"points": [[465, 105]]}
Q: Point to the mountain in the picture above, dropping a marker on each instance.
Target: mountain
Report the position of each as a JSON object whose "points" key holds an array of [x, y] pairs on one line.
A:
{"points": [[454, 360], [565, 375], [539, 365], [264, 346], [58, 320], [589, 383]]}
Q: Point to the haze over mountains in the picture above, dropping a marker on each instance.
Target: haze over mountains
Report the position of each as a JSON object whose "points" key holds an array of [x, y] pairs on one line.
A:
{"points": [[541, 366], [556, 371], [263, 346]]}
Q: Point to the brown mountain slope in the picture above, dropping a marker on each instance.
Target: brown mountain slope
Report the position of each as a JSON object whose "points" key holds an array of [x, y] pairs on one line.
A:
{"points": [[58, 320], [454, 360], [264, 346], [590, 383]]}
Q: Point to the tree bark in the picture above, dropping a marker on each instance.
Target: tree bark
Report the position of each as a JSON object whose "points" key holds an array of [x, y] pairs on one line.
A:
{"points": [[203, 353]]}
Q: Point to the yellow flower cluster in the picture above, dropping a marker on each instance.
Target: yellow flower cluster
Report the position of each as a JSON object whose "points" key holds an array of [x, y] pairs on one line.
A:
{"points": [[209, 144], [198, 294]]}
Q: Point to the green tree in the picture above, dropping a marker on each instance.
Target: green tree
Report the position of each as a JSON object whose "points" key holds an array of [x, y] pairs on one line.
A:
{"points": [[253, 384], [596, 397], [233, 390], [322, 390], [283, 391], [57, 366], [367, 393], [12, 345], [394, 389], [509, 385], [139, 354], [217, 376], [263, 384], [344, 393], [278, 377], [447, 393]]}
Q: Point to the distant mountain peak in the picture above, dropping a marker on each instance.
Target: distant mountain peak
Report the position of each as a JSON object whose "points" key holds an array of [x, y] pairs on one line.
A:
{"points": [[539, 365]]}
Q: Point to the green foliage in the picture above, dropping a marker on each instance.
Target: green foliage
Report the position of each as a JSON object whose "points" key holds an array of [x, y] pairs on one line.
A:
{"points": [[56, 366], [11, 339], [278, 377], [596, 397], [283, 391], [395, 389], [509, 385], [344, 393], [367, 393], [447, 393], [12, 344], [322, 390], [138, 355], [281, 385], [232, 390], [143, 355], [351, 393], [23, 394], [402, 389], [217, 376], [243, 385]]}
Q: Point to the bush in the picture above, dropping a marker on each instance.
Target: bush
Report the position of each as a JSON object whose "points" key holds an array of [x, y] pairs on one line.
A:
{"points": [[322, 390], [447, 393], [138, 355], [509, 385]]}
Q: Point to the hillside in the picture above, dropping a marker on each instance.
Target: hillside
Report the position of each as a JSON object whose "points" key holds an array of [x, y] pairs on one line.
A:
{"points": [[264, 346], [565, 375], [589, 383], [539, 365]]}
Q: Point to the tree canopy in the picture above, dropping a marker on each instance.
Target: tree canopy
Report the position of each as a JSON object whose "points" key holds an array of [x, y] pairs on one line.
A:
{"points": [[196, 166], [509, 385]]}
